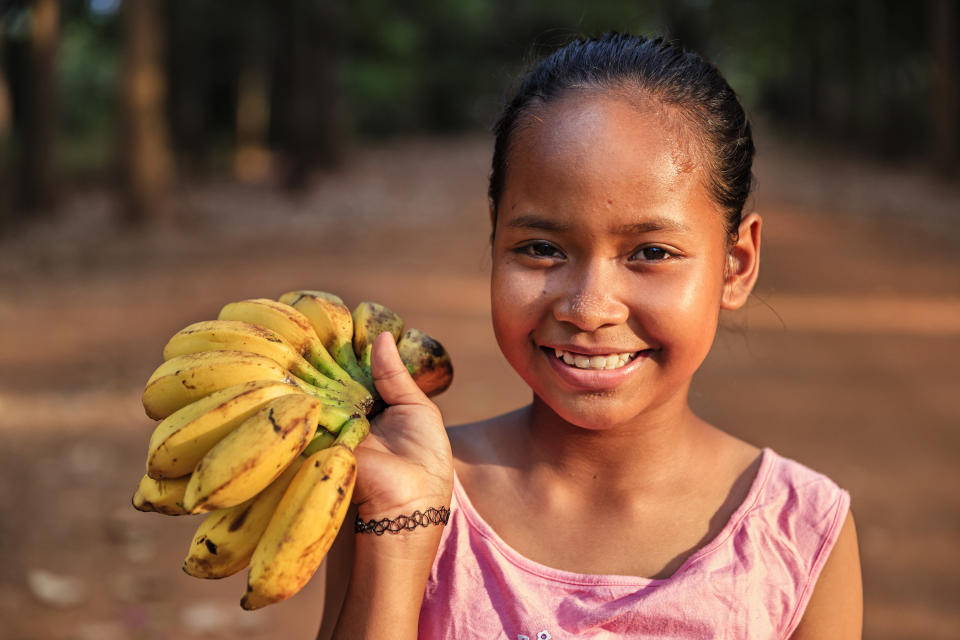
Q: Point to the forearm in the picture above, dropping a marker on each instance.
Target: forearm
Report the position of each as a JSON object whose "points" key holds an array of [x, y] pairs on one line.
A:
{"points": [[386, 586]]}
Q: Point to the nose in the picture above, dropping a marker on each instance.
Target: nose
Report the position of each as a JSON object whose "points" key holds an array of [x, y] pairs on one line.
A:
{"points": [[590, 298]]}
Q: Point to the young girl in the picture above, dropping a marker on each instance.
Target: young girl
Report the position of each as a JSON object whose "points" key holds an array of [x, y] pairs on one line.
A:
{"points": [[605, 508]]}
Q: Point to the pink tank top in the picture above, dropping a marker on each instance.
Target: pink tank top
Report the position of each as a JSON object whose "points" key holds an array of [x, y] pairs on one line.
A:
{"points": [[752, 581]]}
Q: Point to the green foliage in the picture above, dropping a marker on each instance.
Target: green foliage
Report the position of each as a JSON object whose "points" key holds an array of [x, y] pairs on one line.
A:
{"points": [[847, 70], [88, 77]]}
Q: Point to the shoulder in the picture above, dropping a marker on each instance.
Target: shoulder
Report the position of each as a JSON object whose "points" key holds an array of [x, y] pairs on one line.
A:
{"points": [[799, 490], [835, 607], [808, 513], [486, 442]]}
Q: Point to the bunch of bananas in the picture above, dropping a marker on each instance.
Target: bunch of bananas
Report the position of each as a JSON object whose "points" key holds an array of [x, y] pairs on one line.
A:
{"points": [[260, 412]]}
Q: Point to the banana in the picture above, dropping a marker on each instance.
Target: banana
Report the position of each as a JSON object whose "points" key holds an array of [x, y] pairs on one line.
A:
{"points": [[333, 322], [321, 440], [233, 335], [303, 527], [296, 328], [187, 378], [369, 320], [250, 457], [162, 496], [426, 360], [184, 437], [226, 538]]}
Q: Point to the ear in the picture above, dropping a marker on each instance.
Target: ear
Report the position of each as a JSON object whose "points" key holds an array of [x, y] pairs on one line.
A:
{"points": [[743, 263]]}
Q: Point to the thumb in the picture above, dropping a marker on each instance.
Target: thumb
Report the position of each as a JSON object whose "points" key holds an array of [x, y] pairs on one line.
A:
{"points": [[390, 375]]}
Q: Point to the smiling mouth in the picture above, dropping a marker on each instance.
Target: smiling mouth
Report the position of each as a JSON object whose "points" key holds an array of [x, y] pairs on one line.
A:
{"points": [[597, 362]]}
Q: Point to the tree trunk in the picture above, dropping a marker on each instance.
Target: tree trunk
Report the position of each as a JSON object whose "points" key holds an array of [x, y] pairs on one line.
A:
{"points": [[306, 99], [37, 191], [147, 161], [6, 118], [252, 158], [946, 84]]}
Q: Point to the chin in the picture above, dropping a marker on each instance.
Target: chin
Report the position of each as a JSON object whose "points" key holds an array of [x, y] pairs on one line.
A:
{"points": [[594, 411]]}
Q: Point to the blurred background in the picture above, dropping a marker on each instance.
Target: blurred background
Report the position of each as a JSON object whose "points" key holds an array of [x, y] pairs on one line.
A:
{"points": [[160, 159]]}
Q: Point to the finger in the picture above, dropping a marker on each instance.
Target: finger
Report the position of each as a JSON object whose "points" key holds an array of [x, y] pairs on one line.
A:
{"points": [[390, 375]]}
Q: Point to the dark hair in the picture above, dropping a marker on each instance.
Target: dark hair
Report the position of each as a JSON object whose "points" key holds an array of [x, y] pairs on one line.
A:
{"points": [[679, 79]]}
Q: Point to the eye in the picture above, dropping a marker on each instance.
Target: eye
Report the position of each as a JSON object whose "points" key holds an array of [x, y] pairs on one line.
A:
{"points": [[653, 254], [539, 249]]}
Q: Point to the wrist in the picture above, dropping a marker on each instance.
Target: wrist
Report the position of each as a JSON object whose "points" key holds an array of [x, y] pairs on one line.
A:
{"points": [[434, 492], [432, 516]]}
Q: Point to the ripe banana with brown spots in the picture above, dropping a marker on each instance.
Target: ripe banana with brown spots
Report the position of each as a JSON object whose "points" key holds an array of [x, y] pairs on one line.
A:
{"points": [[185, 379], [163, 496], [426, 360], [254, 454], [333, 322], [306, 521], [181, 439], [234, 335], [297, 330], [225, 540], [370, 320]]}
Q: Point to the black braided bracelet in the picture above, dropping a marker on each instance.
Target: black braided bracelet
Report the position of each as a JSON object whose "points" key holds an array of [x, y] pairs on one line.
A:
{"points": [[403, 523]]}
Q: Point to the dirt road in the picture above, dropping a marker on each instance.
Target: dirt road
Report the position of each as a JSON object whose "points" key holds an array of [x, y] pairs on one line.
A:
{"points": [[845, 360]]}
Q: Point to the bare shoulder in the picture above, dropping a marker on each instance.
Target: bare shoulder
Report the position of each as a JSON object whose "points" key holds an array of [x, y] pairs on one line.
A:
{"points": [[835, 609], [484, 442]]}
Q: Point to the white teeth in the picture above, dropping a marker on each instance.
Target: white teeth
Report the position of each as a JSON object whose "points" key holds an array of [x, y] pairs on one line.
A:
{"points": [[599, 363]]}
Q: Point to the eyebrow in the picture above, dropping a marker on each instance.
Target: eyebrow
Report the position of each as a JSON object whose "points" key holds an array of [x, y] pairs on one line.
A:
{"points": [[532, 221], [537, 222], [656, 224]]}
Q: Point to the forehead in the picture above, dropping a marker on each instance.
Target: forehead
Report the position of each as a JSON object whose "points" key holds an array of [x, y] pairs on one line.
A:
{"points": [[602, 152]]}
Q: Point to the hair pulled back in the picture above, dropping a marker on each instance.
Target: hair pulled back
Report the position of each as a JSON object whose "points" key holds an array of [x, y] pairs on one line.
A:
{"points": [[680, 80]]}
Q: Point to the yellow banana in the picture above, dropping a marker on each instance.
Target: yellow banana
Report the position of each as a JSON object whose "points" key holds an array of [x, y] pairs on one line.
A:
{"points": [[333, 322], [369, 320], [162, 496], [233, 335], [252, 456], [187, 378], [226, 538], [184, 437], [426, 360], [296, 328], [303, 527]]}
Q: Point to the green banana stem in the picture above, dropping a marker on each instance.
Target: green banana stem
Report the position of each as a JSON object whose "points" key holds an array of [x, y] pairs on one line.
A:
{"points": [[348, 360], [340, 397], [353, 432], [321, 440]]}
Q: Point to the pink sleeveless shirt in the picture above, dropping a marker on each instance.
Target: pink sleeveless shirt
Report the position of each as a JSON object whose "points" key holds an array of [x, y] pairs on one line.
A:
{"points": [[752, 581]]}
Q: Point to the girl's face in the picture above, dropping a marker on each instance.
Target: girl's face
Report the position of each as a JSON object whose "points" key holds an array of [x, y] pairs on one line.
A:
{"points": [[609, 261]]}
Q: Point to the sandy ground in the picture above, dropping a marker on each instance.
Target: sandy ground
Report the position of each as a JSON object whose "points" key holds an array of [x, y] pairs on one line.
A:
{"points": [[844, 360]]}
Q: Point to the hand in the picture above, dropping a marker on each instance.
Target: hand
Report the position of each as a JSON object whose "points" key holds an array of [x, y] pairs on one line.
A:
{"points": [[405, 463]]}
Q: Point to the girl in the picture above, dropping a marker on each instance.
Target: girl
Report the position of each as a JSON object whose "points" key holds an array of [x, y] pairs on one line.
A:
{"points": [[605, 508]]}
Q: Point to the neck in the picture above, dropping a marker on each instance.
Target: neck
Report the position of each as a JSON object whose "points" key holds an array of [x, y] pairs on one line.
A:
{"points": [[650, 452]]}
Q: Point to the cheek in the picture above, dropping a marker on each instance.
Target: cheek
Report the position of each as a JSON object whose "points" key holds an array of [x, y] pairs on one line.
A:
{"points": [[516, 302], [682, 312]]}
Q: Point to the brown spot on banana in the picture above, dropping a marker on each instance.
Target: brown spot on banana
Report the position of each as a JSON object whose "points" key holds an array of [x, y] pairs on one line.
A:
{"points": [[239, 520]]}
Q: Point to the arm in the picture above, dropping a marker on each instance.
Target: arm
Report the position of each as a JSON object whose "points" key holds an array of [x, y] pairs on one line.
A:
{"points": [[336, 575], [835, 609], [404, 465]]}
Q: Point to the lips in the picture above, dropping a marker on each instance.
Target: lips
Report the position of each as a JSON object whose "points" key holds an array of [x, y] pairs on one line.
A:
{"points": [[597, 362], [590, 376]]}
